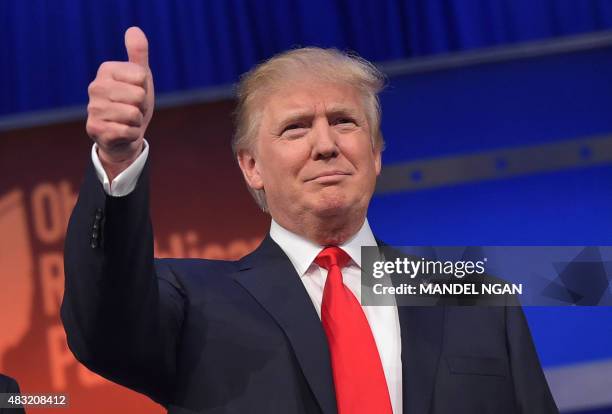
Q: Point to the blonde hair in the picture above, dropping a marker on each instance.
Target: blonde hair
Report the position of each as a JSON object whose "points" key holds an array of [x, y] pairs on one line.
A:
{"points": [[330, 65]]}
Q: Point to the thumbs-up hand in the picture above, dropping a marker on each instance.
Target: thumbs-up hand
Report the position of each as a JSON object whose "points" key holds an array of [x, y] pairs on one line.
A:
{"points": [[121, 100]]}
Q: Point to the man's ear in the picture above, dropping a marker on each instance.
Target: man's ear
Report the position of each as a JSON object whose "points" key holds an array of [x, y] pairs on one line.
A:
{"points": [[250, 169], [377, 160]]}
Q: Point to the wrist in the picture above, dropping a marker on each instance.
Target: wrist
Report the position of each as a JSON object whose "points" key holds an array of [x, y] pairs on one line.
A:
{"points": [[115, 164]]}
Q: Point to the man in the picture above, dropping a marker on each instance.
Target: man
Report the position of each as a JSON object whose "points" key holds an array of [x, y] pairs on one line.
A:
{"points": [[281, 330]]}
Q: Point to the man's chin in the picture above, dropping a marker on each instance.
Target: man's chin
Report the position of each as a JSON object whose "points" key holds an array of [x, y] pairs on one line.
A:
{"points": [[333, 208]]}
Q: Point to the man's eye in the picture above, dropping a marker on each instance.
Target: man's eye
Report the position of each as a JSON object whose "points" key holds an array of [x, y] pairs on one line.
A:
{"points": [[292, 126], [341, 121], [294, 129]]}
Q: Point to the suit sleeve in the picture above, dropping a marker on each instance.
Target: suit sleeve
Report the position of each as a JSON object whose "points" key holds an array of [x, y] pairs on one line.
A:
{"points": [[10, 385], [122, 316], [531, 388]]}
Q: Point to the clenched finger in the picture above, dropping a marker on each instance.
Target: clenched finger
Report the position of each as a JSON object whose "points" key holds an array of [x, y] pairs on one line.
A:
{"points": [[128, 94], [123, 114], [124, 72]]}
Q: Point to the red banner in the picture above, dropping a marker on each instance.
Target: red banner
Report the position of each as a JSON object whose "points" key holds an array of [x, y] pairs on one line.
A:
{"points": [[200, 208]]}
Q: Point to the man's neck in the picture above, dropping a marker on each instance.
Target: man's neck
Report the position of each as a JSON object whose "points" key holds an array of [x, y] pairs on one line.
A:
{"points": [[325, 231], [302, 251]]}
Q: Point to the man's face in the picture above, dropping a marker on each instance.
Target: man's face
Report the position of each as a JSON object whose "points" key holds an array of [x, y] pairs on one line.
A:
{"points": [[313, 154]]}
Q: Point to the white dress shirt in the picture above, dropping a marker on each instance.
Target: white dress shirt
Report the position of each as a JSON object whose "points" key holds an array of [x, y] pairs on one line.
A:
{"points": [[124, 183], [383, 320]]}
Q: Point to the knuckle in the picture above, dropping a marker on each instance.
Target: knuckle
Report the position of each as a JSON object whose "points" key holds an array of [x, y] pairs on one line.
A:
{"points": [[99, 89], [105, 67], [133, 113], [93, 88], [92, 128], [95, 108], [140, 95]]}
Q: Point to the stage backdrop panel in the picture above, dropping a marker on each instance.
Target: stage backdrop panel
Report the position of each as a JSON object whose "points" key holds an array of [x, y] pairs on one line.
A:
{"points": [[200, 208], [512, 152]]}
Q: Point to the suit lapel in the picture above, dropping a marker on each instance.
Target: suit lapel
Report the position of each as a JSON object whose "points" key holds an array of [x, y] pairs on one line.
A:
{"points": [[268, 275], [421, 328]]}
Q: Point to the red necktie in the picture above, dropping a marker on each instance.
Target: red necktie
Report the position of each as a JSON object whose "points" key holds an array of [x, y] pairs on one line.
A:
{"points": [[359, 378]]}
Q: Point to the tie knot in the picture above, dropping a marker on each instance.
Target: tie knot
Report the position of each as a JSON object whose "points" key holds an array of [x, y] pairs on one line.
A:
{"points": [[332, 255]]}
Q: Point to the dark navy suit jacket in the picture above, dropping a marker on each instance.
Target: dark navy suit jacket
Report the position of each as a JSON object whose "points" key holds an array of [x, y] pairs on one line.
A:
{"points": [[9, 385], [212, 336]]}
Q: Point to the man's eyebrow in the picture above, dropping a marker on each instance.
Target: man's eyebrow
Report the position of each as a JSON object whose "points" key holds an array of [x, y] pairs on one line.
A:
{"points": [[342, 110], [333, 110], [296, 116]]}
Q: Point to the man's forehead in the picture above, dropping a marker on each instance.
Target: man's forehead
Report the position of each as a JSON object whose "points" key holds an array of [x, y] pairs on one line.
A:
{"points": [[288, 102]]}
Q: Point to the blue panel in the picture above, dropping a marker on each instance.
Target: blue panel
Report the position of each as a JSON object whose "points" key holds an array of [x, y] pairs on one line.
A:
{"points": [[50, 50], [497, 105], [569, 207], [524, 102]]}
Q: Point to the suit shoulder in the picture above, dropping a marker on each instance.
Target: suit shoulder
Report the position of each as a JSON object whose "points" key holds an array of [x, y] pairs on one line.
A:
{"points": [[166, 264], [8, 384], [172, 269]]}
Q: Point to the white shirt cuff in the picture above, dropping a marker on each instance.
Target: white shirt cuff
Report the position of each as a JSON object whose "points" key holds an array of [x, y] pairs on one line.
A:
{"points": [[124, 183]]}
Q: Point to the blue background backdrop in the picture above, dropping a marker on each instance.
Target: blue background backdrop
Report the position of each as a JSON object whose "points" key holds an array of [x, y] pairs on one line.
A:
{"points": [[52, 49]]}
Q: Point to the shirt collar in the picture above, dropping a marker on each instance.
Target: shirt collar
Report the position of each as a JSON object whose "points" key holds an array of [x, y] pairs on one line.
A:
{"points": [[302, 252]]}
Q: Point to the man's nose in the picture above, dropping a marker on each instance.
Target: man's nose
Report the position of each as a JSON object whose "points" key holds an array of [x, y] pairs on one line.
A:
{"points": [[324, 141]]}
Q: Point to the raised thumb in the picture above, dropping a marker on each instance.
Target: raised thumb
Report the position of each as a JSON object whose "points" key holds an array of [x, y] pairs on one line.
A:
{"points": [[137, 46]]}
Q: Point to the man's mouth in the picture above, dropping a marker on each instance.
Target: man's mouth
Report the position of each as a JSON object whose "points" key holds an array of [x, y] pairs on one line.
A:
{"points": [[328, 176]]}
